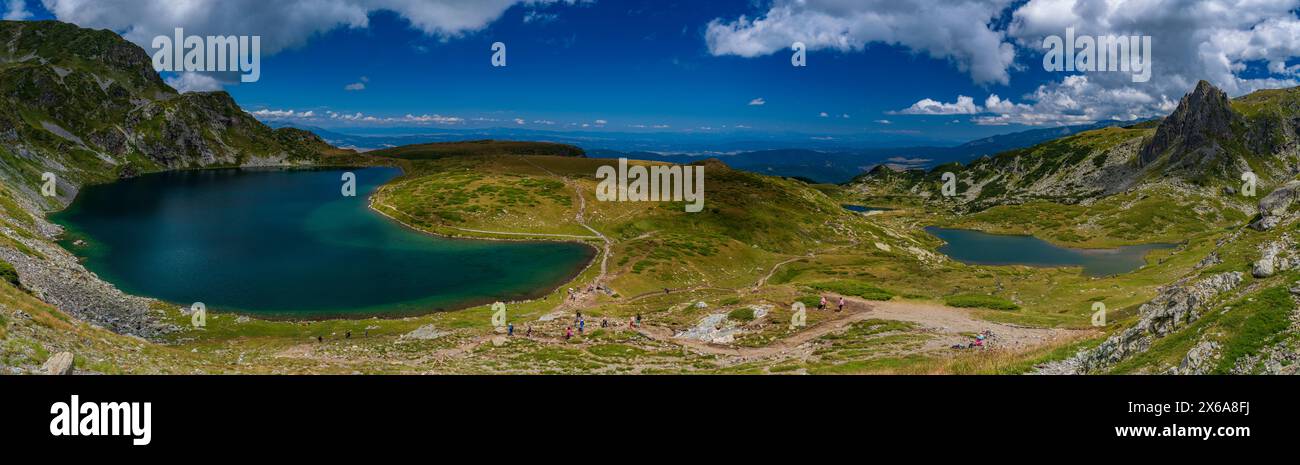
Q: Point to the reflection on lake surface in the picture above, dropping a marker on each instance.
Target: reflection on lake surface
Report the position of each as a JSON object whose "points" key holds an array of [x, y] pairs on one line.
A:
{"points": [[979, 248]]}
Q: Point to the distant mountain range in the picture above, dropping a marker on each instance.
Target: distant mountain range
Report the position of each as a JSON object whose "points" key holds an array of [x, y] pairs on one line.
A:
{"points": [[823, 160], [696, 142], [839, 167]]}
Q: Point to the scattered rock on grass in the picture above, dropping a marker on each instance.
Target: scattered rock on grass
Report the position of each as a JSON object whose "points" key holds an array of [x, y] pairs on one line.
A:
{"points": [[59, 364]]}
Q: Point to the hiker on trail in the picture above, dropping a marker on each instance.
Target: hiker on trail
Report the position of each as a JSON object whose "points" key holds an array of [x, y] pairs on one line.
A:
{"points": [[582, 325], [604, 322], [568, 332], [631, 322], [320, 339], [528, 330], [666, 291], [822, 304], [510, 329], [348, 335], [577, 316], [638, 319], [841, 304]]}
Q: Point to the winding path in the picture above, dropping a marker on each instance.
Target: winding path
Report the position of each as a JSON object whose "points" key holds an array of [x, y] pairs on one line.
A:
{"points": [[937, 318]]}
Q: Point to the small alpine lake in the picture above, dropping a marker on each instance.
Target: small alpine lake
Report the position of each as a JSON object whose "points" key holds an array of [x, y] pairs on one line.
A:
{"points": [[863, 209], [980, 248], [286, 243]]}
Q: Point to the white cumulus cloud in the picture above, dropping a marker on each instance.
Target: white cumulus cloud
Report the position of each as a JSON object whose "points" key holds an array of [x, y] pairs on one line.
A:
{"points": [[956, 30], [16, 10], [282, 24], [963, 106], [1215, 40], [193, 82]]}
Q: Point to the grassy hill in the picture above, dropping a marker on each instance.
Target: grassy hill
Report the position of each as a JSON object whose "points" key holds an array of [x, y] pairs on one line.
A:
{"points": [[748, 221]]}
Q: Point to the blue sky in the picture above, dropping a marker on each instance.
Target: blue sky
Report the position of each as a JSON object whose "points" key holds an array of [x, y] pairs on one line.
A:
{"points": [[695, 66], [604, 62]]}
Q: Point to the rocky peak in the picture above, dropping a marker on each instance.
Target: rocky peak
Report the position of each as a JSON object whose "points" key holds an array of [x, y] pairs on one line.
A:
{"points": [[69, 91], [1203, 117], [68, 46]]}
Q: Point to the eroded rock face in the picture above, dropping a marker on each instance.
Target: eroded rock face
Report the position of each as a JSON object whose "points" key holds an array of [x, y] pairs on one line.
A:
{"points": [[1176, 306], [1274, 257], [1273, 207]]}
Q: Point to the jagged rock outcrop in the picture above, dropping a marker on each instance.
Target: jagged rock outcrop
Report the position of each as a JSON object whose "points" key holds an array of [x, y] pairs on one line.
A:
{"points": [[1274, 207], [1191, 134]]}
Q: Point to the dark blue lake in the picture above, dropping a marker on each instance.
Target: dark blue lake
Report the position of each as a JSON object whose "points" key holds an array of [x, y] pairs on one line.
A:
{"points": [[287, 243]]}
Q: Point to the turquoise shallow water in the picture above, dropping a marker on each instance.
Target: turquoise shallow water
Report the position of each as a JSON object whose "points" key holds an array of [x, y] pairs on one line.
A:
{"points": [[286, 243], [974, 247]]}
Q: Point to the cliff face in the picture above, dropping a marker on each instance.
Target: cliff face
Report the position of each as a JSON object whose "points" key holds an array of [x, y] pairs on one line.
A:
{"points": [[87, 106]]}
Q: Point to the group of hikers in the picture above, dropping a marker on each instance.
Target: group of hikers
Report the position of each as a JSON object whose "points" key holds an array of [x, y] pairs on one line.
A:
{"points": [[346, 335], [634, 322], [823, 303], [579, 322]]}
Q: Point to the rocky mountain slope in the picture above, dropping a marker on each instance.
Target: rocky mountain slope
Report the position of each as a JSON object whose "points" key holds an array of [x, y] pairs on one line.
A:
{"points": [[1209, 141], [86, 106], [1178, 179]]}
